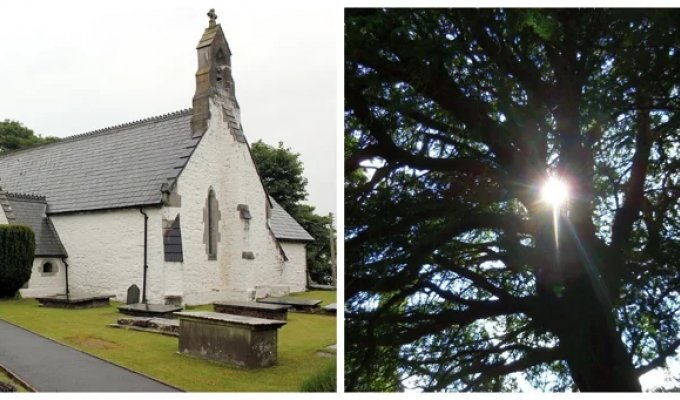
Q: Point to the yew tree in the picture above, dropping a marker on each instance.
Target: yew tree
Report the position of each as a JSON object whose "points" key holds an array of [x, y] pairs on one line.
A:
{"points": [[459, 276], [282, 174]]}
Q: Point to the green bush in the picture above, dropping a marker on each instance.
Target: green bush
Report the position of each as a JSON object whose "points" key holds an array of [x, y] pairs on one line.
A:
{"points": [[324, 381], [17, 247]]}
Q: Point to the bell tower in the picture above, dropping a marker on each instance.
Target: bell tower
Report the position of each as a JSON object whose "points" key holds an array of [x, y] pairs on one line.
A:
{"points": [[213, 77]]}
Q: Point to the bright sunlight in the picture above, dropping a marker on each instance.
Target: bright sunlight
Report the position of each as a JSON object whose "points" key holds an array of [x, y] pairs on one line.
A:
{"points": [[555, 192]]}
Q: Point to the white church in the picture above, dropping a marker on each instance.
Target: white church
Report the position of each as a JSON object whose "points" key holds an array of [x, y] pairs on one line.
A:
{"points": [[173, 204]]}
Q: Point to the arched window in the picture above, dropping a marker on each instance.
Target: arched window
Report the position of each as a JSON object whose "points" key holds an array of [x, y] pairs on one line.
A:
{"points": [[212, 223], [48, 268]]}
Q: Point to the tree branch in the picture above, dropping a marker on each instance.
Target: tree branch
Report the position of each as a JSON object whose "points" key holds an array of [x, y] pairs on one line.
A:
{"points": [[387, 149], [633, 200], [435, 83], [660, 361]]}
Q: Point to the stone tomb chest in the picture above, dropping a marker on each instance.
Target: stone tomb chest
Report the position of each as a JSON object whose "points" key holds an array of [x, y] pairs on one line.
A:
{"points": [[253, 309], [230, 339]]}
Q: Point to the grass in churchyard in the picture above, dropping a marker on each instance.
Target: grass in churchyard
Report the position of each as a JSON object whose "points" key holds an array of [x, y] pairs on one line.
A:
{"points": [[156, 355], [6, 379]]}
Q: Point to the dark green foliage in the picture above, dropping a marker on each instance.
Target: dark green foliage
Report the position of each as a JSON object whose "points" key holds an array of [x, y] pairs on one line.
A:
{"points": [[319, 251], [281, 171], [15, 136], [17, 247], [282, 174], [324, 381], [453, 120]]}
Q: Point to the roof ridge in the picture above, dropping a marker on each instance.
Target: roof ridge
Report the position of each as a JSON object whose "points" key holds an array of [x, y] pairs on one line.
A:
{"points": [[25, 196], [109, 129], [156, 118]]}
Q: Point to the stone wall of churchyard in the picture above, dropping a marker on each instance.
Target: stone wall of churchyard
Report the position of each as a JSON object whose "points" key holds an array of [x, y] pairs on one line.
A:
{"points": [[106, 251], [45, 283], [295, 269], [222, 161]]}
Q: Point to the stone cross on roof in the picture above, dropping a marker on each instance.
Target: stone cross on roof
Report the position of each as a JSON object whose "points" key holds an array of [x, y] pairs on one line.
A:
{"points": [[211, 14]]}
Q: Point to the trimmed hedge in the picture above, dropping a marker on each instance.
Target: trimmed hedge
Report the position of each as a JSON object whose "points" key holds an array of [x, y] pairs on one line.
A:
{"points": [[17, 248]]}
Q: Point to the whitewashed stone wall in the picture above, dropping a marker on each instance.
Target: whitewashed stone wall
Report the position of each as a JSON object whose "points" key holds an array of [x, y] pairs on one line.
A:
{"points": [[45, 284], [295, 269], [106, 247], [106, 251], [225, 164]]}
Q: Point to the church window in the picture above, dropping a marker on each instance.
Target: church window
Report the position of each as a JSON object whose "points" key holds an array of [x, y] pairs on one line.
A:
{"points": [[212, 225], [48, 268], [244, 211]]}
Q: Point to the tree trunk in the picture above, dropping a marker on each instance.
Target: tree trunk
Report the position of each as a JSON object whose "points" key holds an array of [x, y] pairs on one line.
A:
{"points": [[577, 308], [593, 347], [594, 351]]}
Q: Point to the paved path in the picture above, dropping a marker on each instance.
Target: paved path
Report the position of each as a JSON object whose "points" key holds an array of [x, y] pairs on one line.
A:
{"points": [[51, 367]]}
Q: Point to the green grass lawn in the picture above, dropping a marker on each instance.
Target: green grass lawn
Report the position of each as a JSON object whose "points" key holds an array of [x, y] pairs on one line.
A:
{"points": [[156, 355], [6, 379]]}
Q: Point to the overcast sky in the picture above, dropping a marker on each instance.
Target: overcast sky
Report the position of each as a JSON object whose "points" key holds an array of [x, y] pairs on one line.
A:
{"points": [[68, 67]]}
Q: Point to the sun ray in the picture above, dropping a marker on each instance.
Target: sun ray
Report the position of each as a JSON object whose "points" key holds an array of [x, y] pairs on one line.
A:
{"points": [[555, 192]]}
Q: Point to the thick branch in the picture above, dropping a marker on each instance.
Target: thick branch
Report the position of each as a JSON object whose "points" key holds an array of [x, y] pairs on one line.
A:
{"points": [[660, 361], [633, 201], [489, 371], [435, 83], [409, 327], [536, 357], [387, 149]]}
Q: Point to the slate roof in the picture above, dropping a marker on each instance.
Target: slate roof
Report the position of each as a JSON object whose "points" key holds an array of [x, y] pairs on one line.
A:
{"points": [[117, 167], [121, 166], [285, 227], [30, 210]]}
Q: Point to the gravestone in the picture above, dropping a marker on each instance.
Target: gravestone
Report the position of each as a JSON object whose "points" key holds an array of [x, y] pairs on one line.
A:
{"points": [[133, 294], [229, 339]]}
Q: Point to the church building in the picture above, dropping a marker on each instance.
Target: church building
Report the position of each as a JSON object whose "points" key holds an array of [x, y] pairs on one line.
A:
{"points": [[173, 204]]}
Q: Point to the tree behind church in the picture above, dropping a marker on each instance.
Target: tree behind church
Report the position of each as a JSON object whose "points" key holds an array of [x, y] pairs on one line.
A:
{"points": [[15, 136], [282, 174]]}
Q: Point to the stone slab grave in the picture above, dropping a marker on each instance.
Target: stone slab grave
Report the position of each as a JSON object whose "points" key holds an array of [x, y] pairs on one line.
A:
{"points": [[229, 339], [253, 309], [317, 286], [331, 308], [301, 305], [328, 351], [150, 310], [81, 300], [164, 326]]}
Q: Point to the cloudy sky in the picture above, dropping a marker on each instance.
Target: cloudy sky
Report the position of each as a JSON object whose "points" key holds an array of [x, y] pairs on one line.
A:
{"points": [[69, 67]]}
